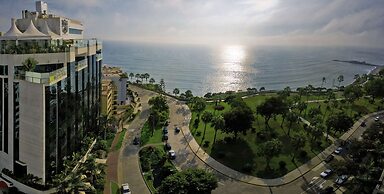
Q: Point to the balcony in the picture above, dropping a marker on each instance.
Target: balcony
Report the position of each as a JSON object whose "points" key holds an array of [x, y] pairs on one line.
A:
{"points": [[46, 78], [99, 57], [81, 65]]}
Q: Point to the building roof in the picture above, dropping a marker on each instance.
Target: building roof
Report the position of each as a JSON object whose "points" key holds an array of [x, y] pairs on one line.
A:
{"points": [[13, 32], [33, 33], [47, 31]]}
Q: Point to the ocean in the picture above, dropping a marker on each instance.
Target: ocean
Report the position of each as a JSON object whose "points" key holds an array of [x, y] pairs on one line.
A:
{"points": [[204, 69]]}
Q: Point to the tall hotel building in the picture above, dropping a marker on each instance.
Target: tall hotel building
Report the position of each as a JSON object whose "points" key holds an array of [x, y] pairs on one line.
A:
{"points": [[47, 108]]}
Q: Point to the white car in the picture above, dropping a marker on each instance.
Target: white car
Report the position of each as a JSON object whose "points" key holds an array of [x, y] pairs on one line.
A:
{"points": [[125, 189], [338, 150], [326, 173], [172, 154], [377, 118], [341, 179]]}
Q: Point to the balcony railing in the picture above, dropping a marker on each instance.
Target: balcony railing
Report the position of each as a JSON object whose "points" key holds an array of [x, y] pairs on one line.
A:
{"points": [[46, 78], [99, 57], [43, 46], [81, 65]]}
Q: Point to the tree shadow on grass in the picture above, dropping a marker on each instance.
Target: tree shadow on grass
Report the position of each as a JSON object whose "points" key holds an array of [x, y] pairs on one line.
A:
{"points": [[235, 154]]}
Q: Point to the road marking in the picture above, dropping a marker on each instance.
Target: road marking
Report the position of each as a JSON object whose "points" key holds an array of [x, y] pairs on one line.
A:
{"points": [[221, 183]]}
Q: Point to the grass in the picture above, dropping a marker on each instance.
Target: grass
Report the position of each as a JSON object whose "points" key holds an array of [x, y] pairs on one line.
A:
{"points": [[115, 189], [148, 138], [246, 147], [120, 140]]}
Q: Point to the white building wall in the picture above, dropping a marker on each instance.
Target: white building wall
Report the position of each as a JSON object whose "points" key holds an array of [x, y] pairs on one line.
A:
{"points": [[32, 131]]}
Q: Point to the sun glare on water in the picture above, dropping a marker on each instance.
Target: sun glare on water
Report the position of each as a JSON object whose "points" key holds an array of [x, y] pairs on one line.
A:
{"points": [[233, 57]]}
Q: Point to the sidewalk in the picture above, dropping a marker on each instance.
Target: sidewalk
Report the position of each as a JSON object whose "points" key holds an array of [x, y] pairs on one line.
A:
{"points": [[288, 178]]}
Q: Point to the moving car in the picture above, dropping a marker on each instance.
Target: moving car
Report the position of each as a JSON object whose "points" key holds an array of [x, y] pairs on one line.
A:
{"points": [[172, 154], [329, 158], [341, 179], [338, 150], [125, 189], [326, 173]]}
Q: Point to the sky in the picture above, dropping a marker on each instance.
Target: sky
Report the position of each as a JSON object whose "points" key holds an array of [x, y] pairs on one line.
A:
{"points": [[256, 22]]}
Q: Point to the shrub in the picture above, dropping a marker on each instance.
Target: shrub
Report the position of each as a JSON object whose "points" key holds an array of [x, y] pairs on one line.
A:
{"points": [[247, 167], [198, 133], [228, 139], [206, 144], [219, 107], [303, 154], [282, 164]]}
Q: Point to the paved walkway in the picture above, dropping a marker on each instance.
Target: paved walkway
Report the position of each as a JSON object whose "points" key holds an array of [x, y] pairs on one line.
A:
{"points": [[291, 176], [190, 155]]}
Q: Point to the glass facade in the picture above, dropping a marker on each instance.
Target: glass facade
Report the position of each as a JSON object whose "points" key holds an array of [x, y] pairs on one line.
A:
{"points": [[5, 104], [16, 120], [71, 111]]}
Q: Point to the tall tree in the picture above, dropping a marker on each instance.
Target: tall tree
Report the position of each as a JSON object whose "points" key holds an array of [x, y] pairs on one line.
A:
{"points": [[190, 181], [291, 118], [340, 79], [270, 149], [271, 106], [198, 105], [152, 80], [162, 84], [340, 122], [298, 142], [218, 124], [239, 119], [176, 91], [323, 81], [146, 76], [353, 92], [131, 75], [206, 118]]}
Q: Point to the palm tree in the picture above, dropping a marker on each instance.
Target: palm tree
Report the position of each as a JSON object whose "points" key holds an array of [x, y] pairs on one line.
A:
{"points": [[176, 91], [131, 75], [218, 123], [340, 79], [323, 81], [262, 89], [162, 84], [298, 141], [137, 76], [29, 64], [146, 76], [206, 118], [142, 76], [152, 80], [292, 118]]}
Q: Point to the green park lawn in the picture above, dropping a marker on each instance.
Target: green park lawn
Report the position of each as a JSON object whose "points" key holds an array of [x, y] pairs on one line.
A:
{"points": [[242, 154], [148, 138]]}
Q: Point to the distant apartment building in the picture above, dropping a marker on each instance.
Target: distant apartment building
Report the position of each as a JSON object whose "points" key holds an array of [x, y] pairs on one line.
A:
{"points": [[45, 109], [119, 81], [107, 97]]}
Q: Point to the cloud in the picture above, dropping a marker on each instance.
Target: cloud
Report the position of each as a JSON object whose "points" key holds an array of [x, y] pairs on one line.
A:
{"points": [[222, 21]]}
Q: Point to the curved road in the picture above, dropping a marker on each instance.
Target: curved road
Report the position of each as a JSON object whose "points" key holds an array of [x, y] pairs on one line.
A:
{"points": [[129, 170]]}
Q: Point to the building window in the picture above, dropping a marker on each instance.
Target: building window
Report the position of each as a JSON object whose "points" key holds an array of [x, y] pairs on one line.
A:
{"points": [[3, 69], [1, 114], [75, 31]]}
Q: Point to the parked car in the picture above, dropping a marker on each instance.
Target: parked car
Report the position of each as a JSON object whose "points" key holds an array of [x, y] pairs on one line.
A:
{"points": [[326, 173], [165, 130], [341, 179], [167, 146], [125, 189], [165, 137], [329, 158], [377, 118], [172, 154], [338, 150], [177, 129], [136, 141]]}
